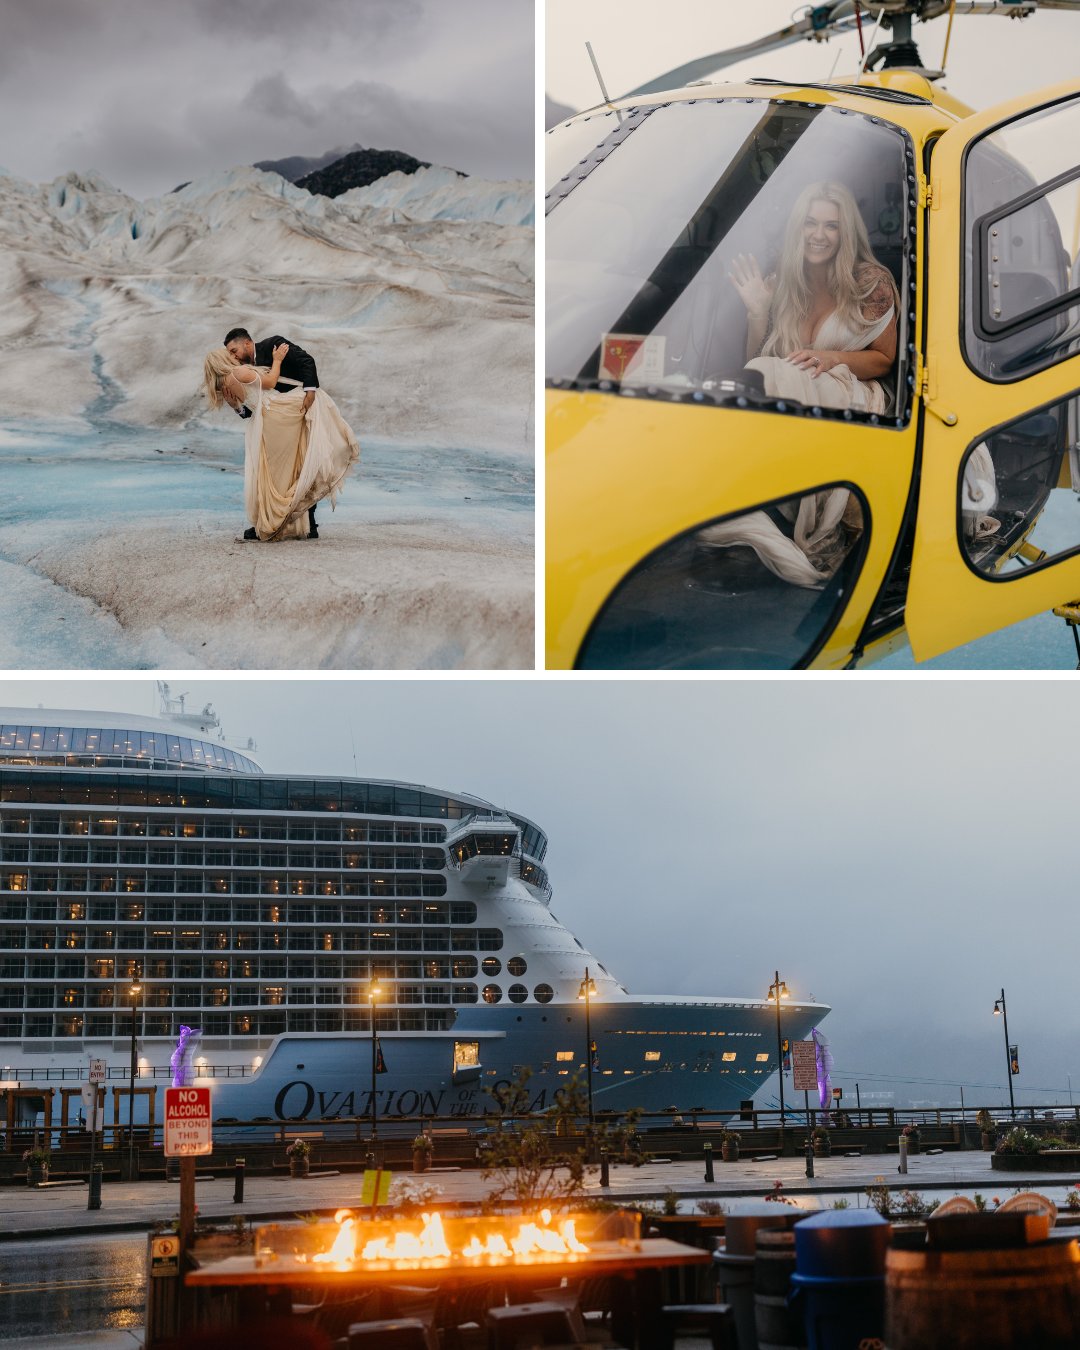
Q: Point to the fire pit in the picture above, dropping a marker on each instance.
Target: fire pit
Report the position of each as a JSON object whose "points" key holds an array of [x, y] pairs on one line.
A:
{"points": [[431, 1242]]}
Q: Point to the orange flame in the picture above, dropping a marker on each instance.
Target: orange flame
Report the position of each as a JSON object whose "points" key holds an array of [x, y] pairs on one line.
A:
{"points": [[532, 1241]]}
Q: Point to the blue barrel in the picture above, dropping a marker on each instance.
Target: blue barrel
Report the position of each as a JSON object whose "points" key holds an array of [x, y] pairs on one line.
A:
{"points": [[842, 1243], [839, 1280], [840, 1314]]}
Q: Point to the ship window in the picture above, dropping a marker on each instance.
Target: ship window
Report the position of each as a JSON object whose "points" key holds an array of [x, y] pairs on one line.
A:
{"points": [[517, 993], [491, 965], [565, 1056], [489, 939], [465, 993], [728, 1056], [517, 966], [543, 993], [492, 993], [762, 1059], [652, 1056], [466, 1054], [464, 967]]}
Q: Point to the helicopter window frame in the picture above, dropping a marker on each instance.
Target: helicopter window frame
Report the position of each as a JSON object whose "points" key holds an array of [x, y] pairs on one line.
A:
{"points": [[1051, 559], [972, 256], [900, 416], [987, 327], [856, 561]]}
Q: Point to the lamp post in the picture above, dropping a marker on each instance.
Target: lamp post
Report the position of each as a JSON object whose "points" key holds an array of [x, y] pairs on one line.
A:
{"points": [[778, 990], [587, 992], [1000, 1010], [372, 992], [134, 990]]}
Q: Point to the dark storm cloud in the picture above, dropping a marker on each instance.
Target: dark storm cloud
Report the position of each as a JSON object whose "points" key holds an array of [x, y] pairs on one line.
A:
{"points": [[151, 96]]}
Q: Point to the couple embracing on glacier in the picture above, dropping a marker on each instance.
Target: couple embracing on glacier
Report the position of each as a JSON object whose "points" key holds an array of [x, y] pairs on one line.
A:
{"points": [[297, 446]]}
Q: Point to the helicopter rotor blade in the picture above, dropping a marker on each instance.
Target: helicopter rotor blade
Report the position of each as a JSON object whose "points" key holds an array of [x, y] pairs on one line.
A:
{"points": [[823, 21], [809, 27]]}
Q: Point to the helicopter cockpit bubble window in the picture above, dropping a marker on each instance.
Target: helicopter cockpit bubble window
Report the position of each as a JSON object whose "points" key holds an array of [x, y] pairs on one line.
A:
{"points": [[640, 251], [567, 147], [760, 590], [1022, 222], [1008, 481]]}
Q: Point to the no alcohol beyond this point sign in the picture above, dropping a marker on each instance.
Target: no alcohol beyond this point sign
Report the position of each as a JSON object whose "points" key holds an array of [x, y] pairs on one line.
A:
{"points": [[187, 1122]]}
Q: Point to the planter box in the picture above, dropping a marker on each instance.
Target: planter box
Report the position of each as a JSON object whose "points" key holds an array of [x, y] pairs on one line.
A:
{"points": [[1063, 1160]]}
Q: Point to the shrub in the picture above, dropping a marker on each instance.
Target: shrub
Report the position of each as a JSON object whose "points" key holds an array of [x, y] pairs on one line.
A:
{"points": [[713, 1208], [671, 1202], [1072, 1199], [1020, 1141], [421, 1144], [299, 1148]]}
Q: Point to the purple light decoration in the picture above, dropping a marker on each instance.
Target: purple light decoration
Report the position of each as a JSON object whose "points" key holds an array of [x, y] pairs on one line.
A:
{"points": [[823, 1057], [180, 1062]]}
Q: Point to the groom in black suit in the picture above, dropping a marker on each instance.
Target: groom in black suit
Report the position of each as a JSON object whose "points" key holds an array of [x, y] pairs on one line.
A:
{"points": [[298, 366]]}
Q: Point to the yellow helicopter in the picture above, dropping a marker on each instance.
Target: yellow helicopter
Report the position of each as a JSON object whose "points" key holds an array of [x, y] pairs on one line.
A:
{"points": [[738, 476]]}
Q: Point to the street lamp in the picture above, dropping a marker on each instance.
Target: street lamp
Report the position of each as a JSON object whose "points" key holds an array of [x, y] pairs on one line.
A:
{"points": [[373, 991], [587, 992], [1000, 1011], [778, 990], [134, 990]]}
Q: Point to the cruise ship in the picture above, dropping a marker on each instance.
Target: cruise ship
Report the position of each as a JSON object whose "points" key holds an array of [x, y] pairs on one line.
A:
{"points": [[278, 914]]}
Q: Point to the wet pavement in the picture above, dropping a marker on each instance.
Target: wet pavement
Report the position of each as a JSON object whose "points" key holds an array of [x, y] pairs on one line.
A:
{"points": [[72, 1277]]}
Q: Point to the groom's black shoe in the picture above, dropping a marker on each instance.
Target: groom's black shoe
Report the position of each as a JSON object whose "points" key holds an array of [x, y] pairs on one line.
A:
{"points": [[251, 534], [313, 529]]}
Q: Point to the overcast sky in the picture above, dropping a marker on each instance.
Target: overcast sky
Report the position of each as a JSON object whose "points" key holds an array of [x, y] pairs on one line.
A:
{"points": [[152, 95], [991, 58], [897, 849]]}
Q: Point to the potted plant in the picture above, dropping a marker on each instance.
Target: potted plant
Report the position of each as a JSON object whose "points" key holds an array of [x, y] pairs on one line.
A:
{"points": [[37, 1165], [421, 1153], [913, 1137], [987, 1133], [821, 1141], [298, 1154], [729, 1146]]}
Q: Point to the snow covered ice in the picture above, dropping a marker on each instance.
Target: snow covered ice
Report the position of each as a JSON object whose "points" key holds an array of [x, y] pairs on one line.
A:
{"points": [[123, 493]]}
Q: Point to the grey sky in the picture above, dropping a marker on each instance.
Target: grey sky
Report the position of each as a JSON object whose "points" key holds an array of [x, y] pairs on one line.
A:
{"points": [[153, 95], [991, 58], [895, 848]]}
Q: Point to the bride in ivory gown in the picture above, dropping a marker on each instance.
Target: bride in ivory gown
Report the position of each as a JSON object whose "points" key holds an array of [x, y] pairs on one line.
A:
{"points": [[292, 460], [821, 331]]}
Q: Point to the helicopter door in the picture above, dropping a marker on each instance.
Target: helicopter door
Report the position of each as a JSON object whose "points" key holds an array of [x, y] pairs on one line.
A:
{"points": [[997, 536]]}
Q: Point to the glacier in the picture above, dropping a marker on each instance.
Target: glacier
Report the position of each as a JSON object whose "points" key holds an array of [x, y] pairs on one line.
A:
{"points": [[118, 529]]}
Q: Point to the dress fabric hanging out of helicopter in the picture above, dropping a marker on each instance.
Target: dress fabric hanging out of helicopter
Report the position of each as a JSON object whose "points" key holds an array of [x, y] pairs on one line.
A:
{"points": [[742, 475]]}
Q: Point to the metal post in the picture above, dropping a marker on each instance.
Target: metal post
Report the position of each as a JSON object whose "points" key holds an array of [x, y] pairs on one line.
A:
{"points": [[133, 994], [374, 1061], [238, 1181], [586, 991], [1008, 1057], [588, 1049], [903, 1155], [94, 1200], [709, 1163], [605, 1178], [809, 1156], [775, 992]]}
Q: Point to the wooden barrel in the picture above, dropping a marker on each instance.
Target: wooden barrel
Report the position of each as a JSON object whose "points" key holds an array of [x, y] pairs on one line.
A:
{"points": [[778, 1328], [1017, 1298]]}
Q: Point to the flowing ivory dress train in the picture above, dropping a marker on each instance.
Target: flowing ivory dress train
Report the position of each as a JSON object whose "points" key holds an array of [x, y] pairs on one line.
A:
{"points": [[826, 524], [292, 460]]}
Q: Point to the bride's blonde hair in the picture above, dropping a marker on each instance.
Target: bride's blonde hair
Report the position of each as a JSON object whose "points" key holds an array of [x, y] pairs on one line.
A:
{"points": [[854, 274], [219, 363]]}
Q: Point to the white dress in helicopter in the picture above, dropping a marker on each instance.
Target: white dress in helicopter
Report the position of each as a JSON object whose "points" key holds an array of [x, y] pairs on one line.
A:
{"points": [[825, 524]]}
